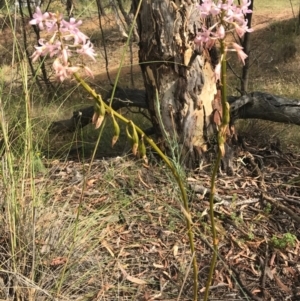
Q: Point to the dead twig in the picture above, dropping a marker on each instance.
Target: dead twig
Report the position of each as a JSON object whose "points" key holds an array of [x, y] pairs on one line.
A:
{"points": [[280, 206]]}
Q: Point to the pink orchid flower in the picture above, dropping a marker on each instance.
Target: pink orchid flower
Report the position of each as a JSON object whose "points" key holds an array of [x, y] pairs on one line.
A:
{"points": [[241, 54], [66, 40], [63, 71], [87, 50], [38, 18]]}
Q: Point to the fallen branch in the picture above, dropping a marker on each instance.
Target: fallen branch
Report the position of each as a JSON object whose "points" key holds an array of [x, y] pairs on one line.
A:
{"points": [[259, 105], [83, 117], [256, 105], [280, 206]]}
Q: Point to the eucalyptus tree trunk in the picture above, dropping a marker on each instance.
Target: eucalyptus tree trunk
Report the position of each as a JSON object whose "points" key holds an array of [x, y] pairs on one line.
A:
{"points": [[179, 79]]}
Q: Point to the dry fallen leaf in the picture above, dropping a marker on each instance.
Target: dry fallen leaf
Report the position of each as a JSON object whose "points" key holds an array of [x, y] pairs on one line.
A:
{"points": [[281, 284], [175, 250], [269, 273], [230, 285], [58, 261], [131, 278], [158, 266], [108, 248], [91, 182]]}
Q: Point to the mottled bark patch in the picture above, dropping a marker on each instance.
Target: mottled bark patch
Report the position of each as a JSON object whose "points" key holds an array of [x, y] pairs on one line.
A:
{"points": [[181, 73]]}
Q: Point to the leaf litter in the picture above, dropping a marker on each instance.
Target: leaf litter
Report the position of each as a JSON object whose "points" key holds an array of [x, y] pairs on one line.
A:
{"points": [[119, 230]]}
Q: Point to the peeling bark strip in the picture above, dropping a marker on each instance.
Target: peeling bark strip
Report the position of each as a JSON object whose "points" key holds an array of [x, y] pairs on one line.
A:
{"points": [[183, 76]]}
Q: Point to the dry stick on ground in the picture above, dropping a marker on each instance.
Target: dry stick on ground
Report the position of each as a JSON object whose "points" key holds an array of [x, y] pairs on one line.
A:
{"points": [[268, 198], [280, 206], [221, 200], [288, 199], [265, 265]]}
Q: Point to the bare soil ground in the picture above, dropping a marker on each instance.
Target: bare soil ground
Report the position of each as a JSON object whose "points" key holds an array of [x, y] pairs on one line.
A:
{"points": [[130, 241]]}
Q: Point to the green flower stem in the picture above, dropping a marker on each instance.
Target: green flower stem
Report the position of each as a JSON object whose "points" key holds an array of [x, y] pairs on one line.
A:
{"points": [[213, 227], [176, 175], [225, 104], [221, 142]]}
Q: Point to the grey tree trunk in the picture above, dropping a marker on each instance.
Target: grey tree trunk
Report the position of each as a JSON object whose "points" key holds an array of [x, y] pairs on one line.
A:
{"points": [[179, 79]]}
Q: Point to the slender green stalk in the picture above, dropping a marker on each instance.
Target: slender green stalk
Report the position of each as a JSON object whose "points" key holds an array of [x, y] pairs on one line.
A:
{"points": [[8, 160], [225, 104], [10, 187], [29, 163], [221, 152], [213, 228], [170, 165]]}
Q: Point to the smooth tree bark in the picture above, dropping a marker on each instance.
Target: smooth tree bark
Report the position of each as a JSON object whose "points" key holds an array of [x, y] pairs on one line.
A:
{"points": [[179, 78]]}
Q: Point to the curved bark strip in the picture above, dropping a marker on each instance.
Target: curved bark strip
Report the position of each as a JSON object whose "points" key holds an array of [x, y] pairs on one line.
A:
{"points": [[183, 77]]}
